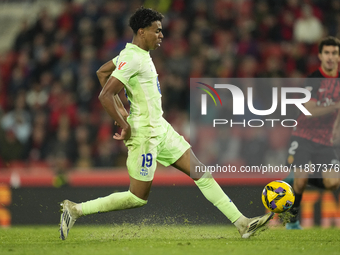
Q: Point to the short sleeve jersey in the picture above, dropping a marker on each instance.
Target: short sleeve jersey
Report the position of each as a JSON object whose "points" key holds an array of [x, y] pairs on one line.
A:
{"points": [[136, 70], [325, 90]]}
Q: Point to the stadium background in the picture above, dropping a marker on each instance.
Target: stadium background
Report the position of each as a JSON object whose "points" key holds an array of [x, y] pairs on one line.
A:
{"points": [[56, 139]]}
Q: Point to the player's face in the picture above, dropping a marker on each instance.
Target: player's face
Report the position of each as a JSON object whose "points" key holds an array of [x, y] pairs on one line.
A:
{"points": [[153, 35], [329, 57]]}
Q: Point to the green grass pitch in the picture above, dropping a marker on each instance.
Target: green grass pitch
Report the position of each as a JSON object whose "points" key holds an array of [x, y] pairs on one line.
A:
{"points": [[163, 239]]}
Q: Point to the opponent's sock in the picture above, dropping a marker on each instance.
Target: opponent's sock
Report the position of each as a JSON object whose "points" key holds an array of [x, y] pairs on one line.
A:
{"points": [[213, 192], [114, 202], [295, 208], [316, 182]]}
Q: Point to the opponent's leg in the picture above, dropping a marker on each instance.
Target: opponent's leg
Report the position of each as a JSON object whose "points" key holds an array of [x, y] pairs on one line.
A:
{"points": [[317, 182], [298, 187], [331, 178], [213, 192], [301, 152], [331, 183], [135, 197]]}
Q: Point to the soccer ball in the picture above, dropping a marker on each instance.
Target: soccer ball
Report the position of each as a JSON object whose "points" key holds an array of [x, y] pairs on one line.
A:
{"points": [[278, 196]]}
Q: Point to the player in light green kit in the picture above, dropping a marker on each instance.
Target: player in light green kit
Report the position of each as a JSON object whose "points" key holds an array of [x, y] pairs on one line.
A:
{"points": [[148, 136]]}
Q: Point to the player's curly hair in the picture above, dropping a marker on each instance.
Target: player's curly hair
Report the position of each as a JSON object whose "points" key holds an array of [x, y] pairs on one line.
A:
{"points": [[329, 41], [143, 17]]}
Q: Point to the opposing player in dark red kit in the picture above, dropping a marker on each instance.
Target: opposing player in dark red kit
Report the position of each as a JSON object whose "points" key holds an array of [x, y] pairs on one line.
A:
{"points": [[313, 137]]}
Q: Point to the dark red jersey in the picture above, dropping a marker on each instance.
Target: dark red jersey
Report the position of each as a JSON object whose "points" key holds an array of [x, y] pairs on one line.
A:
{"points": [[325, 91]]}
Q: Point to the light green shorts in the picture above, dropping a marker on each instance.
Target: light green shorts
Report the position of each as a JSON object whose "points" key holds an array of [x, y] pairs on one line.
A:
{"points": [[145, 152]]}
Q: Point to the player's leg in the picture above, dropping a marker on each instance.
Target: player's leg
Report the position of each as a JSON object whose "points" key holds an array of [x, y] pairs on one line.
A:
{"points": [[331, 176], [299, 186], [207, 184], [300, 154], [135, 197], [141, 168], [140, 189], [213, 192], [141, 174], [300, 183], [187, 164], [331, 183], [175, 151], [322, 157], [317, 182]]}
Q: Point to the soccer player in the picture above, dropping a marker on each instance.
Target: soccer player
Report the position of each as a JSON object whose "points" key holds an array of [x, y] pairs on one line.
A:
{"points": [[147, 135], [312, 139]]}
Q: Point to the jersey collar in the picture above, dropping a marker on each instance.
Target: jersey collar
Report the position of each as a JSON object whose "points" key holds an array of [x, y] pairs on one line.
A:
{"points": [[134, 46], [326, 75]]}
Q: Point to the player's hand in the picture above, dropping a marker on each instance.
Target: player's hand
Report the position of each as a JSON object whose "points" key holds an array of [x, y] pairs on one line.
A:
{"points": [[124, 135]]}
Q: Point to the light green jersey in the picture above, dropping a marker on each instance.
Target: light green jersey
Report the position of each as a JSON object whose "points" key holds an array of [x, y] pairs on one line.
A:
{"points": [[135, 69]]}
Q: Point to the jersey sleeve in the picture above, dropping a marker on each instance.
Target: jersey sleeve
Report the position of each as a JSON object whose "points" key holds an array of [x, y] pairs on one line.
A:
{"points": [[126, 67], [115, 60]]}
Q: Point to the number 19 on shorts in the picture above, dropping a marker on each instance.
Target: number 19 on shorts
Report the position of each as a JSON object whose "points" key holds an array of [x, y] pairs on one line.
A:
{"points": [[146, 163]]}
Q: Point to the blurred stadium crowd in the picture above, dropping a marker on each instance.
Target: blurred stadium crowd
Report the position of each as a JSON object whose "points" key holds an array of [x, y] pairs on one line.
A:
{"points": [[49, 111]]}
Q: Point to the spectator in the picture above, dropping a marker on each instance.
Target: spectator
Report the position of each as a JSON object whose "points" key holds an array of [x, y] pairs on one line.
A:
{"points": [[24, 37], [66, 108], [62, 146], [36, 147], [3, 96], [107, 154], [84, 160], [18, 120], [37, 97], [308, 28], [57, 58], [11, 149]]}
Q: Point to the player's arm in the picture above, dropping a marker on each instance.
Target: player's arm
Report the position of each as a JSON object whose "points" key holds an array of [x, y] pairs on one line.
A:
{"points": [[107, 98], [105, 71], [103, 75], [318, 111]]}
